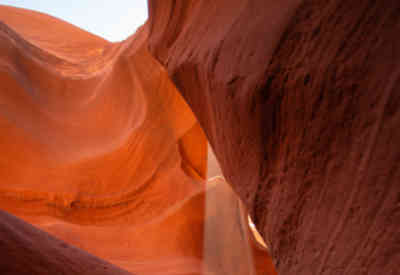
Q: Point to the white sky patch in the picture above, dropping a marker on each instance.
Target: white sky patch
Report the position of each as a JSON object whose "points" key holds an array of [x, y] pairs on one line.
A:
{"points": [[113, 20]]}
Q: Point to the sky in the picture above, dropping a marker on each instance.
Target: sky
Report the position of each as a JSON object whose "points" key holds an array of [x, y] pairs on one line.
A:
{"points": [[113, 20]]}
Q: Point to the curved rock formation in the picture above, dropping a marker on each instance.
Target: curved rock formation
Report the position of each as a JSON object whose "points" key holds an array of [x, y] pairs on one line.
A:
{"points": [[300, 102], [91, 126], [100, 150]]}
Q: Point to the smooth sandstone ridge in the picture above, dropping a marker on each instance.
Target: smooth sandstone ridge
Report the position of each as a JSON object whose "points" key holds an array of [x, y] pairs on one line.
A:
{"points": [[298, 99]]}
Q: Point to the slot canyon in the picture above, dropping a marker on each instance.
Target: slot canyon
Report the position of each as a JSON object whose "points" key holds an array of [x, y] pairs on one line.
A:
{"points": [[241, 137]]}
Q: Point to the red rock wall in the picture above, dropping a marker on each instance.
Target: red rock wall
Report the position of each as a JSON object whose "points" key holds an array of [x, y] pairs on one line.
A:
{"points": [[300, 101]]}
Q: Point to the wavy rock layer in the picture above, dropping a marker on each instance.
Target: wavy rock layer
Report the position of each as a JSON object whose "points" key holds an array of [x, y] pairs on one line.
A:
{"points": [[300, 102], [100, 149], [90, 125], [94, 134]]}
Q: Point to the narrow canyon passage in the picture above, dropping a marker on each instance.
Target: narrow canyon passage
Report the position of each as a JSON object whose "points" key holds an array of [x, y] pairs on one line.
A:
{"points": [[101, 151], [106, 146]]}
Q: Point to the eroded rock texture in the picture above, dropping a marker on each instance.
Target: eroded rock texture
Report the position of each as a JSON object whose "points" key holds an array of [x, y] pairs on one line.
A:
{"points": [[300, 101], [101, 150]]}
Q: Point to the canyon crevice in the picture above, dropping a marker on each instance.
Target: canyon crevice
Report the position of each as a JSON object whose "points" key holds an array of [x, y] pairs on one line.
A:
{"points": [[105, 145]]}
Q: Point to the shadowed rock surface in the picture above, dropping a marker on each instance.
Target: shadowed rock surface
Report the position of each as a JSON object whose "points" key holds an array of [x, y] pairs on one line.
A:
{"points": [[300, 102], [28, 250]]}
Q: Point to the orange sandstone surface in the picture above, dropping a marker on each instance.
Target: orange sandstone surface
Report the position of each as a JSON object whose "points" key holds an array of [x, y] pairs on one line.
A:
{"points": [[100, 150]]}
